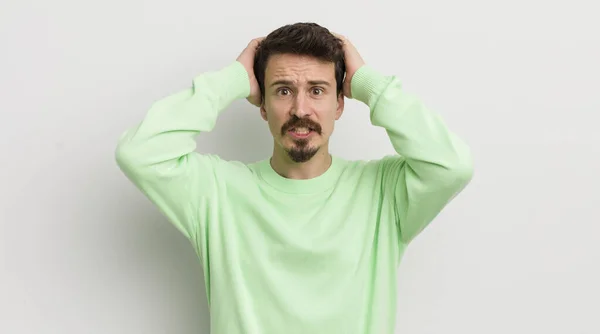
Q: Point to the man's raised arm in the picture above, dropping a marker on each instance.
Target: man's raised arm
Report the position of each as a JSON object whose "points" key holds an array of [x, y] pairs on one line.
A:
{"points": [[433, 164], [158, 155]]}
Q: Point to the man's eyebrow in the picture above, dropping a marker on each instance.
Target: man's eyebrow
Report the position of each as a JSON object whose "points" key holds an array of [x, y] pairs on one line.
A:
{"points": [[290, 83], [319, 82]]}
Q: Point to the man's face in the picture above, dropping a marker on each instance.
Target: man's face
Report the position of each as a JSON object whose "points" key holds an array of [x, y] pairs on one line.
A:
{"points": [[301, 104]]}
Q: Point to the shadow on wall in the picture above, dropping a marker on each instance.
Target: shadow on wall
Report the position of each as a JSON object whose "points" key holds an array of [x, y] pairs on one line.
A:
{"points": [[240, 134]]}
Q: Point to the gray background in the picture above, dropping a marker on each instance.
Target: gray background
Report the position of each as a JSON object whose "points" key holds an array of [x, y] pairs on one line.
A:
{"points": [[82, 251]]}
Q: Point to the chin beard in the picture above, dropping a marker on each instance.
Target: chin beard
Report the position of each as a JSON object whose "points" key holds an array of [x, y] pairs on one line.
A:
{"points": [[301, 152]]}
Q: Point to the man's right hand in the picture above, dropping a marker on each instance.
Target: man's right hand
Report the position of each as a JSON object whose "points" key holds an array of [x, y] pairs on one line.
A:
{"points": [[246, 58]]}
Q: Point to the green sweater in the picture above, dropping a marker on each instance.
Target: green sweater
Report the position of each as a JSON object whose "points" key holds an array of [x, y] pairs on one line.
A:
{"points": [[284, 256]]}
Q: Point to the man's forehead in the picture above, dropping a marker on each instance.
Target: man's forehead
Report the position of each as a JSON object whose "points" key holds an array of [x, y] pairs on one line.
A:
{"points": [[299, 69], [291, 77]]}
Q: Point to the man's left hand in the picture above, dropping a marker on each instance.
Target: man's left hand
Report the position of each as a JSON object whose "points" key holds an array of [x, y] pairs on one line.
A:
{"points": [[353, 62]]}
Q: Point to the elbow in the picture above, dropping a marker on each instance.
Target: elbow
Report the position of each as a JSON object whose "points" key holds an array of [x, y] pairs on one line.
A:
{"points": [[460, 172], [126, 157], [463, 174], [464, 166], [123, 156]]}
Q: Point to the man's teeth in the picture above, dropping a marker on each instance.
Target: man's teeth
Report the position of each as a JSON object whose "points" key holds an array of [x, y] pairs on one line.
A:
{"points": [[301, 131]]}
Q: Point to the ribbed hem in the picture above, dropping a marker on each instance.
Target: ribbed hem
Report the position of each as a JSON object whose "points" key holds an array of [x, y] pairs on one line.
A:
{"points": [[367, 84]]}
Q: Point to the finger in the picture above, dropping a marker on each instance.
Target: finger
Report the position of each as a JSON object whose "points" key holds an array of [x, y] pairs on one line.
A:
{"points": [[340, 36], [252, 44], [256, 41]]}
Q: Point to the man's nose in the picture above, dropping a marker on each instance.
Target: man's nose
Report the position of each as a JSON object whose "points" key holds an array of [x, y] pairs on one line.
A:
{"points": [[301, 107]]}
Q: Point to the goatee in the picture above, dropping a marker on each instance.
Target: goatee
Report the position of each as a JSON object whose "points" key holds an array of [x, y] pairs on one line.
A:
{"points": [[301, 152]]}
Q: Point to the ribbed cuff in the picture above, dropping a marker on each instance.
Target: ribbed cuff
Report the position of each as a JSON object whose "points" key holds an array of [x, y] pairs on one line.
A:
{"points": [[235, 78], [367, 84]]}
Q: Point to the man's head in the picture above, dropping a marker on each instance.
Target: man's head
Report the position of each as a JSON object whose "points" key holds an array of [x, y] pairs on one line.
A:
{"points": [[300, 70]]}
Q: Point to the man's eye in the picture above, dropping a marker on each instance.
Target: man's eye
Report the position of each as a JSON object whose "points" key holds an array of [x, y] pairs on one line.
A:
{"points": [[284, 91], [317, 91]]}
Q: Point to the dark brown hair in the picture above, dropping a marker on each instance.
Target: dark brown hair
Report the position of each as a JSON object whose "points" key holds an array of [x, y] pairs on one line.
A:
{"points": [[303, 38]]}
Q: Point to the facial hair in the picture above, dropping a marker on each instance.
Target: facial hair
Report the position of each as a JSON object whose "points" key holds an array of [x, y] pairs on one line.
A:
{"points": [[301, 151]]}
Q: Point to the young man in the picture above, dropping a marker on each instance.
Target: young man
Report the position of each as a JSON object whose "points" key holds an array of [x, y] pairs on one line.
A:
{"points": [[304, 241]]}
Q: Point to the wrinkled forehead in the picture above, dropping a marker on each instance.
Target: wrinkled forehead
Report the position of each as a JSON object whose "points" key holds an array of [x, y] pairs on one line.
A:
{"points": [[298, 70]]}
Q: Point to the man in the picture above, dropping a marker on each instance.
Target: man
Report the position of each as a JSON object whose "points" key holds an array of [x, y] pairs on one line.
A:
{"points": [[304, 241]]}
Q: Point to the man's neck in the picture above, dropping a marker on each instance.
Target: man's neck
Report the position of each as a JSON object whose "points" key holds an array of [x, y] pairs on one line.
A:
{"points": [[317, 165]]}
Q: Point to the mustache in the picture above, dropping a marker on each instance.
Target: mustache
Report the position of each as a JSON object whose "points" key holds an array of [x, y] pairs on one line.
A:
{"points": [[296, 122]]}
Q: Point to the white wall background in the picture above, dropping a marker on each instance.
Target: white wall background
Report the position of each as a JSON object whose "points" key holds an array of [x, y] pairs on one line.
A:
{"points": [[82, 251]]}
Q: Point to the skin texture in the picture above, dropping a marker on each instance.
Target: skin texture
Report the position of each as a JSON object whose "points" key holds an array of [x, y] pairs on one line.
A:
{"points": [[300, 91]]}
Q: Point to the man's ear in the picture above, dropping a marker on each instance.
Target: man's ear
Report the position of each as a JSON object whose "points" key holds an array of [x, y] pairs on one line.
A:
{"points": [[263, 111], [340, 106]]}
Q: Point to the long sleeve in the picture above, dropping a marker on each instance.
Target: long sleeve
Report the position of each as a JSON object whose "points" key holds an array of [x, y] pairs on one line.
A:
{"points": [[158, 155], [432, 164]]}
